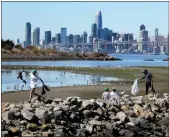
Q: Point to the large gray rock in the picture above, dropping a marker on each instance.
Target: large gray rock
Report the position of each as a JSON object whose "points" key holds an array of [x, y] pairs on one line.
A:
{"points": [[86, 104], [4, 134], [65, 108], [28, 115], [43, 115], [95, 122], [121, 115]]}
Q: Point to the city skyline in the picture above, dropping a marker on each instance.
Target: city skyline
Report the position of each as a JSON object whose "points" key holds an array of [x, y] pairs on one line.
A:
{"points": [[82, 24]]}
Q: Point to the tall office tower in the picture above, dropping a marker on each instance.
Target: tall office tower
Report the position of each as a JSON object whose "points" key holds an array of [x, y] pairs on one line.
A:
{"points": [[94, 30], [100, 33], [142, 27], [70, 39], [36, 36], [143, 45], [99, 20], [90, 39], [58, 37], [28, 33], [63, 35], [48, 36], [76, 39], [115, 36], [84, 37]]}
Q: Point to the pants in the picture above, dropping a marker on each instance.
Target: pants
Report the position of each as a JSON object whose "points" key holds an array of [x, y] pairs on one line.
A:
{"points": [[148, 85]]}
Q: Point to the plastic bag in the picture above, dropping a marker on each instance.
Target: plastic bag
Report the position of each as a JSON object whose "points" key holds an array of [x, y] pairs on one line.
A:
{"points": [[134, 88]]}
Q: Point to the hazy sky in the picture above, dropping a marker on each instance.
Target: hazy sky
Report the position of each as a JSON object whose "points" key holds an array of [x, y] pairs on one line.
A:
{"points": [[123, 17]]}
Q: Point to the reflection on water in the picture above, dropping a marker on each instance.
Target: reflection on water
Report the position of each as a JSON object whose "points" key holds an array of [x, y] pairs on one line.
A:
{"points": [[51, 78]]}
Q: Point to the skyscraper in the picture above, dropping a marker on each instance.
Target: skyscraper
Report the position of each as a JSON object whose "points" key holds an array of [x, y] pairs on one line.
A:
{"points": [[70, 39], [94, 30], [76, 39], [17, 42], [143, 46], [142, 27], [58, 37], [63, 35], [28, 34], [99, 20], [48, 36], [84, 37], [36, 36]]}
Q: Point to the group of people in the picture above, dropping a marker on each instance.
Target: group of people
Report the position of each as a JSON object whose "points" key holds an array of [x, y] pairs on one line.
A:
{"points": [[113, 95], [107, 95]]}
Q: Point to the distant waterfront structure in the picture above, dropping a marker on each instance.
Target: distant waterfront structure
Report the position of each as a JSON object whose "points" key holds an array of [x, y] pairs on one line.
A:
{"points": [[84, 37], [94, 30], [36, 36], [48, 37], [53, 39], [63, 35], [58, 38], [28, 33]]}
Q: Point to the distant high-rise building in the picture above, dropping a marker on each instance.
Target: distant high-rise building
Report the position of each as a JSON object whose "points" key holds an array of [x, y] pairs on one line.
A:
{"points": [[76, 39], [48, 36], [70, 39], [63, 35], [90, 39], [94, 30], [99, 20], [143, 45], [100, 33], [58, 37], [53, 39], [28, 33], [17, 42], [42, 42], [84, 37], [36, 36], [142, 27]]}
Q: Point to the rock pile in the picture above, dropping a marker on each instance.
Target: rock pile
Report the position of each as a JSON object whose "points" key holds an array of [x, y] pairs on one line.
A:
{"points": [[74, 117]]}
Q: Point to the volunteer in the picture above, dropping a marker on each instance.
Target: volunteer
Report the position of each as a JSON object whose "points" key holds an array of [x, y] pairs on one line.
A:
{"points": [[106, 94], [149, 79]]}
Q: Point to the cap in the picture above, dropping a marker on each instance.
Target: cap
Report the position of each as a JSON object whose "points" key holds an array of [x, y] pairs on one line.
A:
{"points": [[34, 71], [106, 89]]}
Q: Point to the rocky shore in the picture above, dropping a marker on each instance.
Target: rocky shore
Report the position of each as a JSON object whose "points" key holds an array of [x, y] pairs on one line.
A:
{"points": [[16, 54], [145, 116]]}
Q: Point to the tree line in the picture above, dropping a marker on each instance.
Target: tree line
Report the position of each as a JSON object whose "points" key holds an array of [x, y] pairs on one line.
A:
{"points": [[9, 45]]}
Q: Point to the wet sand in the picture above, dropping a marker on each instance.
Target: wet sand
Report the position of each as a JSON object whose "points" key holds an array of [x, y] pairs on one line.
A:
{"points": [[84, 92]]}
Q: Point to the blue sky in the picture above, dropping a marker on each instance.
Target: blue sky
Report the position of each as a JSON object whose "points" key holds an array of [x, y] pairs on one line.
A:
{"points": [[122, 17]]}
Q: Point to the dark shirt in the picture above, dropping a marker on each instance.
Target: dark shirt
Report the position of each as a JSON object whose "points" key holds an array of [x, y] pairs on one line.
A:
{"points": [[148, 77]]}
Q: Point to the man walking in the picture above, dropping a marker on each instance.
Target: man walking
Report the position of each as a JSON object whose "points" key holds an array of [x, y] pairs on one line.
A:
{"points": [[149, 80]]}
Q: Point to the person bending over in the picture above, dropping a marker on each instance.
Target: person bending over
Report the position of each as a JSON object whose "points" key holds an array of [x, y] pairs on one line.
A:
{"points": [[149, 78]]}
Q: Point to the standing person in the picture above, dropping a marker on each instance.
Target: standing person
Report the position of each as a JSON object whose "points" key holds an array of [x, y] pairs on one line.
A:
{"points": [[33, 84], [116, 96], [106, 94], [149, 79]]}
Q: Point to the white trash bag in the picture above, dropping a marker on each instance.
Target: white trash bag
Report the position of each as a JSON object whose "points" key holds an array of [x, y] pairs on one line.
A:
{"points": [[134, 88]]}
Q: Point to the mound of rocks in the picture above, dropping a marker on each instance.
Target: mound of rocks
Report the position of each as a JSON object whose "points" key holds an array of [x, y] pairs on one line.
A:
{"points": [[133, 116]]}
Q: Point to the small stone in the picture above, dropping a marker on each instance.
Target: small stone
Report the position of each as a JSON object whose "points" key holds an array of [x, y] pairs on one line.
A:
{"points": [[65, 108], [100, 111], [95, 122], [15, 130], [32, 127], [129, 133], [46, 127], [89, 128], [121, 115], [158, 133]]}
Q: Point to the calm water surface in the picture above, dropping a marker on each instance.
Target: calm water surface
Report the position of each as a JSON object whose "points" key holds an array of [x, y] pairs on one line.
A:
{"points": [[127, 60], [51, 78]]}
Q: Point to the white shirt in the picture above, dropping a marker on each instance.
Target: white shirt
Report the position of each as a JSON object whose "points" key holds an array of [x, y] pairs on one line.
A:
{"points": [[105, 96], [33, 80], [116, 95]]}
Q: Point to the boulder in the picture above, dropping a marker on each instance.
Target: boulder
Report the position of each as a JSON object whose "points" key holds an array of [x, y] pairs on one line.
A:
{"points": [[43, 115], [88, 105], [32, 127], [28, 115], [121, 115]]}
